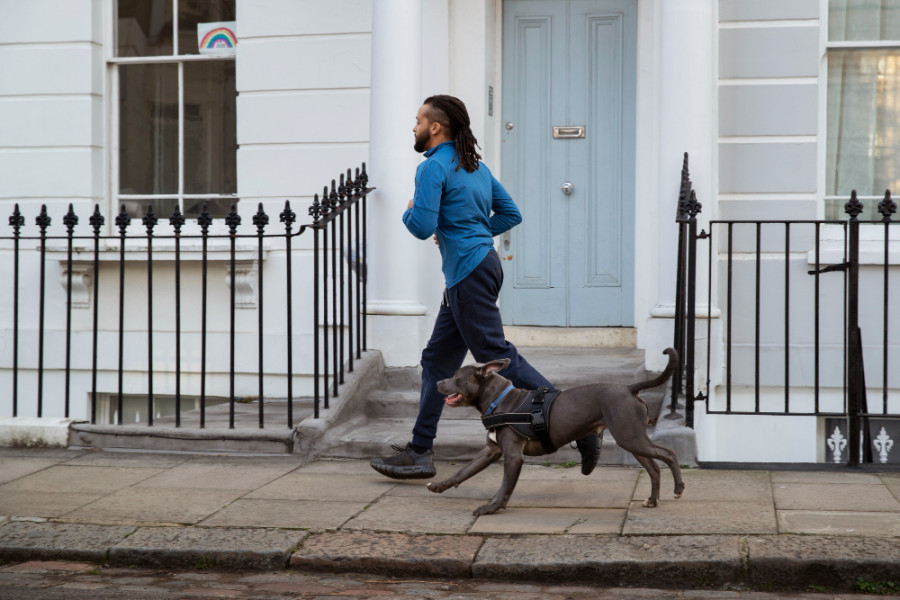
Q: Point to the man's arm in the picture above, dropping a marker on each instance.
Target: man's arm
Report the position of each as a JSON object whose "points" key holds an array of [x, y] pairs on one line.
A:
{"points": [[506, 213], [421, 219]]}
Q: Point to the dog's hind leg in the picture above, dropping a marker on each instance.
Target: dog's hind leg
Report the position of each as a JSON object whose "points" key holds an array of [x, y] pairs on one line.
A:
{"points": [[487, 455], [653, 471], [668, 456]]}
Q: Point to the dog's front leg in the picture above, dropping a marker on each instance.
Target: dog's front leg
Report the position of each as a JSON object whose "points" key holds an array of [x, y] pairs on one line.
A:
{"points": [[513, 458], [488, 454]]}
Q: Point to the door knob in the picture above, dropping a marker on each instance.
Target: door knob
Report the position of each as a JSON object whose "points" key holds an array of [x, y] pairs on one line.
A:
{"points": [[567, 188]]}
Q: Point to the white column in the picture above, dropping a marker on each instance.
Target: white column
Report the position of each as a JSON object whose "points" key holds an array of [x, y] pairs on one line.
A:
{"points": [[687, 123], [396, 312]]}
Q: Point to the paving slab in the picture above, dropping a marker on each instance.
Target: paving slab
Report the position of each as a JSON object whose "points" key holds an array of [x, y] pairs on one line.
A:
{"points": [[152, 460], [323, 487], [672, 517], [80, 479], [158, 506], [825, 477], [43, 504], [843, 497], [665, 561], [206, 474], [592, 521], [435, 515], [20, 467], [394, 554], [209, 548], [839, 523], [58, 541], [702, 485], [295, 514], [791, 561]]}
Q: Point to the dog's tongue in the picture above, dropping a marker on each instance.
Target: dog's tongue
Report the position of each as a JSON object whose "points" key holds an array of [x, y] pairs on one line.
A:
{"points": [[451, 400]]}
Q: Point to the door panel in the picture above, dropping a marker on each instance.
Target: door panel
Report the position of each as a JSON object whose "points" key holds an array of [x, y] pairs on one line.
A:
{"points": [[569, 63]]}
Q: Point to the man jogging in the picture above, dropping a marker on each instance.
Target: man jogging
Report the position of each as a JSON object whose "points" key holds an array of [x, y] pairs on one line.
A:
{"points": [[459, 202]]}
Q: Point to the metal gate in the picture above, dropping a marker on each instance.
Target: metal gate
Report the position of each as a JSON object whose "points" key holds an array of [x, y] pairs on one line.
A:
{"points": [[793, 333]]}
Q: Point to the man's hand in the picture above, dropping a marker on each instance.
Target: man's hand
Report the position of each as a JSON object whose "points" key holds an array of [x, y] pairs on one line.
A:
{"points": [[410, 205]]}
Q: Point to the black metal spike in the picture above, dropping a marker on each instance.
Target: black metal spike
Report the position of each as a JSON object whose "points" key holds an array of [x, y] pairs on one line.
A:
{"points": [[332, 196], [693, 207], [342, 189], [16, 220], [70, 220], [233, 219], [97, 220], [260, 219], [854, 207], [326, 204], [43, 219], [204, 220], [149, 220], [887, 207], [287, 216], [363, 178], [177, 220], [315, 209], [123, 220]]}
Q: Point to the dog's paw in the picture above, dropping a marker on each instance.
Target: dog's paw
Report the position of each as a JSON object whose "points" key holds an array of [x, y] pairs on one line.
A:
{"points": [[438, 488], [487, 509], [649, 503]]}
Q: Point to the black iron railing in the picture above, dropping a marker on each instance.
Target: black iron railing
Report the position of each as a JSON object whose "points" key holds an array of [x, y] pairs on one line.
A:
{"points": [[338, 299], [796, 335]]}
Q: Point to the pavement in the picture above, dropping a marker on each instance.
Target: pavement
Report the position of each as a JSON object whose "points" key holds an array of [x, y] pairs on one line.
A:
{"points": [[744, 529]]}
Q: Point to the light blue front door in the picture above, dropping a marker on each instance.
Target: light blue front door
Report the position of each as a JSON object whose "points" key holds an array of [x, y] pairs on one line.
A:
{"points": [[569, 65]]}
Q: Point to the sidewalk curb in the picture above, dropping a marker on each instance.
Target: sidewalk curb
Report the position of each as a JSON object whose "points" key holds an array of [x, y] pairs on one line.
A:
{"points": [[693, 561]]}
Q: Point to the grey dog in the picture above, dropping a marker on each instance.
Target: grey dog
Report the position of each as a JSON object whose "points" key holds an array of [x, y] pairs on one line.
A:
{"points": [[575, 413]]}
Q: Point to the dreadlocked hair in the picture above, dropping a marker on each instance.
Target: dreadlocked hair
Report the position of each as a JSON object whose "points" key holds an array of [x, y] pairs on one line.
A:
{"points": [[451, 113]]}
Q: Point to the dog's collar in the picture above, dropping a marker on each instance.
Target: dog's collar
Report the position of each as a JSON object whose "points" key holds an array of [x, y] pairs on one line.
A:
{"points": [[496, 402]]}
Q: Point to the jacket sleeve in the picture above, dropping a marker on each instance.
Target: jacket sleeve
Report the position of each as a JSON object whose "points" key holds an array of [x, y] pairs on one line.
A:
{"points": [[506, 213], [422, 219]]}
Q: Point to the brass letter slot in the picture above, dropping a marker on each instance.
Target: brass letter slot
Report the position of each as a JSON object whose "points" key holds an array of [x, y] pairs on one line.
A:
{"points": [[567, 133]]}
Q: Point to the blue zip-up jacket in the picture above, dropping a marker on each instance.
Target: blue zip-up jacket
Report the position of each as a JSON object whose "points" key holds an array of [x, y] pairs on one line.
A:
{"points": [[457, 206]]}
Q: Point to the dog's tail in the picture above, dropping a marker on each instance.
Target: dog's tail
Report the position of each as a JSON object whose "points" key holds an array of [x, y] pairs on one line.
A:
{"points": [[652, 383]]}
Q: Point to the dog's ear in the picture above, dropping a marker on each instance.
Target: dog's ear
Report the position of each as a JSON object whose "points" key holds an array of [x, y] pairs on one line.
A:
{"points": [[495, 365]]}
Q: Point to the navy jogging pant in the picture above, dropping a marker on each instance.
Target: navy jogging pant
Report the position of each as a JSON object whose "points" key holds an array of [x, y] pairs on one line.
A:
{"points": [[468, 319]]}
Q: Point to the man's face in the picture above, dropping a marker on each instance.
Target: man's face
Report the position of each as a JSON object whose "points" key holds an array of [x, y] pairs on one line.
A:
{"points": [[422, 130]]}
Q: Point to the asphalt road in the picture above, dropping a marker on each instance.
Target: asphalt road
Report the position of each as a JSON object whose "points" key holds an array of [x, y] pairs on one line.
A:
{"points": [[82, 581]]}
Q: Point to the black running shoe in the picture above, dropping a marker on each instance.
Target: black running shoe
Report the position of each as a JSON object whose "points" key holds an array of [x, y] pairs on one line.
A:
{"points": [[406, 464], [589, 446]]}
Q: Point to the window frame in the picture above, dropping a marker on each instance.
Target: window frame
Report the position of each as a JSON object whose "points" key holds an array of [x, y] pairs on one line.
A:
{"points": [[112, 94]]}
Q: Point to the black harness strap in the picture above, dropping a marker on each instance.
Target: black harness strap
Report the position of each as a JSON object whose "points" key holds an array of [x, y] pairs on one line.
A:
{"points": [[534, 411]]}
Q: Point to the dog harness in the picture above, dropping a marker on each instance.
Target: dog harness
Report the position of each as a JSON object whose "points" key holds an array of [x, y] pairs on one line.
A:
{"points": [[529, 419]]}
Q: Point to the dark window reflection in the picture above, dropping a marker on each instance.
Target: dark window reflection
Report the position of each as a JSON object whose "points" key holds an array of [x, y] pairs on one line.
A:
{"points": [[210, 136]]}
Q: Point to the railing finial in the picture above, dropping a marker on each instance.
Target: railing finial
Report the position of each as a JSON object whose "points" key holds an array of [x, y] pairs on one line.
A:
{"points": [[887, 207], [854, 207]]}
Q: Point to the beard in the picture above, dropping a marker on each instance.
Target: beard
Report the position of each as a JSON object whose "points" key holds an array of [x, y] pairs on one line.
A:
{"points": [[422, 141]]}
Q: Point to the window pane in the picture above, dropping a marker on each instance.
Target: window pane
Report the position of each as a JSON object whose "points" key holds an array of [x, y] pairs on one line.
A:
{"points": [[218, 208], [863, 122], [148, 129], [191, 12], [210, 137], [863, 20], [144, 27], [162, 208]]}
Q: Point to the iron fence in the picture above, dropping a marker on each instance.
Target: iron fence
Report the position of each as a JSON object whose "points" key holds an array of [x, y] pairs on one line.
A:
{"points": [[799, 328], [337, 286]]}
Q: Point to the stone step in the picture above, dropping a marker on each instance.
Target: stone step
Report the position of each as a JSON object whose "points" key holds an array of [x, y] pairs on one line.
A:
{"points": [[460, 440], [404, 404]]}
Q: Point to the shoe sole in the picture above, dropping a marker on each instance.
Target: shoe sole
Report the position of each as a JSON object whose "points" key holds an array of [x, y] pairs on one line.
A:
{"points": [[405, 472]]}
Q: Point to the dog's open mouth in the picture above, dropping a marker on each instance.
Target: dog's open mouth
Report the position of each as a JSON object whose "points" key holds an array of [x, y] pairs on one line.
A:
{"points": [[453, 399]]}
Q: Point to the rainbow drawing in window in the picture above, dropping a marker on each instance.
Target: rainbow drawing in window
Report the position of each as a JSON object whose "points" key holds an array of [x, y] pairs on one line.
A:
{"points": [[217, 38]]}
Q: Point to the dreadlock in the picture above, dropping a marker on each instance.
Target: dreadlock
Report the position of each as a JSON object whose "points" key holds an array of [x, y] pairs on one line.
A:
{"points": [[451, 113]]}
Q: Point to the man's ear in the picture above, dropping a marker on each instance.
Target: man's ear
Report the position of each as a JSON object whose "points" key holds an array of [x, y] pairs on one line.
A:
{"points": [[495, 365]]}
